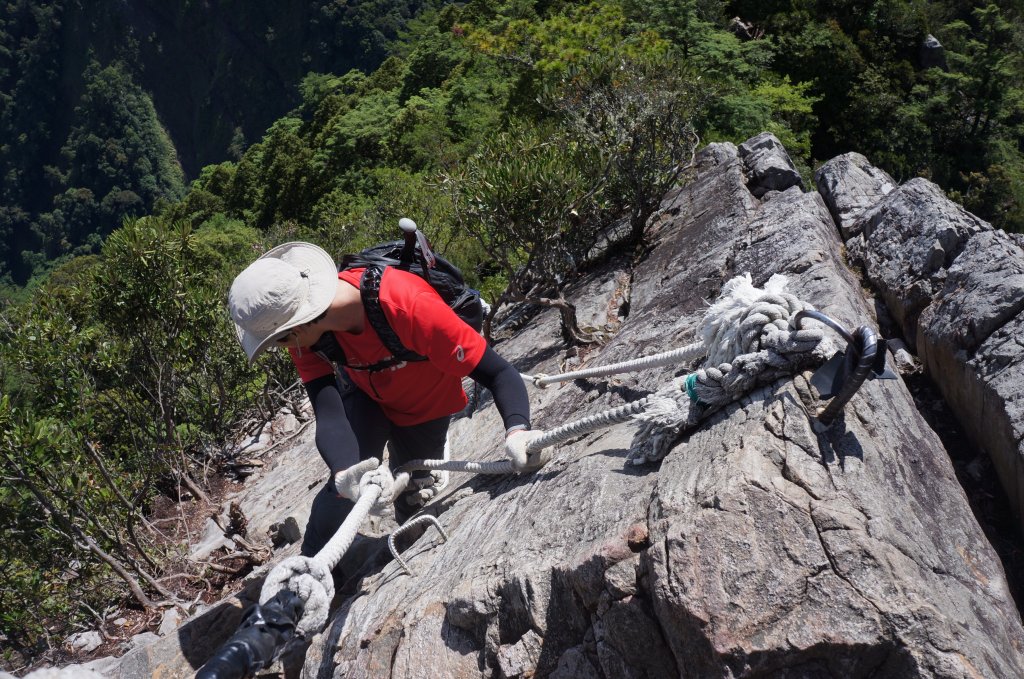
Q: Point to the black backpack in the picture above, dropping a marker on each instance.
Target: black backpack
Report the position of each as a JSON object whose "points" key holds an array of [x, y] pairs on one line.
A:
{"points": [[413, 255]]}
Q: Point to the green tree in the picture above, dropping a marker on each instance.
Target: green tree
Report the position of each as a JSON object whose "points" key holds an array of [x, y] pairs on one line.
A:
{"points": [[118, 160], [530, 199], [639, 116]]}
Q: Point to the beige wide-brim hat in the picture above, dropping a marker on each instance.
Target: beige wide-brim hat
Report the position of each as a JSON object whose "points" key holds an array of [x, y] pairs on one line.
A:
{"points": [[286, 287]]}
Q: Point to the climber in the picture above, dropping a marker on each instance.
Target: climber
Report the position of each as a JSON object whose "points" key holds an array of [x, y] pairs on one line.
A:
{"points": [[293, 296]]}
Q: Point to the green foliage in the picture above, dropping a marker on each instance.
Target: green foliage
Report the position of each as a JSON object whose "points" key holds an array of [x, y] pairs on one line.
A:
{"points": [[529, 198], [872, 94], [150, 382], [776, 106], [213, 94], [639, 116], [167, 316], [117, 162]]}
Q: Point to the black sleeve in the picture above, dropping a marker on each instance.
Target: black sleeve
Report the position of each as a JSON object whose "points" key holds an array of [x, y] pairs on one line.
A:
{"points": [[508, 388], [335, 438]]}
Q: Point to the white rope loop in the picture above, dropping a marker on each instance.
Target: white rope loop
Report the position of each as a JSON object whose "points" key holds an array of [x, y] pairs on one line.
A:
{"points": [[310, 577], [311, 581], [750, 342]]}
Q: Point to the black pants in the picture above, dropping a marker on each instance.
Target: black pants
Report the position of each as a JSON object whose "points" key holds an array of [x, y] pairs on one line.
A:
{"points": [[373, 431]]}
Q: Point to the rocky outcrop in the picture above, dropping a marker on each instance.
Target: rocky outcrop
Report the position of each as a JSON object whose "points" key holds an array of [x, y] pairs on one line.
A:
{"points": [[760, 546], [850, 185], [955, 285], [932, 54], [768, 166]]}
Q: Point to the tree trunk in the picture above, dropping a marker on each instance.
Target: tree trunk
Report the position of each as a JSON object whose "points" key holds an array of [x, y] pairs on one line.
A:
{"points": [[193, 488], [132, 510]]}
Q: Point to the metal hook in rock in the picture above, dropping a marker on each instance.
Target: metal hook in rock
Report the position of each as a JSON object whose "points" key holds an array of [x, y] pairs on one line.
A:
{"points": [[843, 374], [423, 518]]}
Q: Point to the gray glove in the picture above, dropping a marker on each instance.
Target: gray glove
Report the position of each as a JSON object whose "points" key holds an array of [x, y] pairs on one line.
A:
{"points": [[419, 492], [516, 444], [346, 482], [381, 476]]}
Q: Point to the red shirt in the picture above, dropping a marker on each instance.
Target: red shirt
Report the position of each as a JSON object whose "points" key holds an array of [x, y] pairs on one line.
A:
{"points": [[413, 392]]}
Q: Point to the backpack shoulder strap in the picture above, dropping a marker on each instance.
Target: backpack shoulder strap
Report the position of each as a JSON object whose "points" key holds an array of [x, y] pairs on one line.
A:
{"points": [[369, 290]]}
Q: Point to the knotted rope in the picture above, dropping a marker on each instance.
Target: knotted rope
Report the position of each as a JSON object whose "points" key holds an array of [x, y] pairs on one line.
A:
{"points": [[310, 577]]}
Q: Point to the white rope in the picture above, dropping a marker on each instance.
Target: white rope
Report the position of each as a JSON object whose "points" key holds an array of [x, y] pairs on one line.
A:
{"points": [[747, 327], [681, 406], [594, 422], [486, 467], [549, 438], [310, 577], [686, 353], [747, 334]]}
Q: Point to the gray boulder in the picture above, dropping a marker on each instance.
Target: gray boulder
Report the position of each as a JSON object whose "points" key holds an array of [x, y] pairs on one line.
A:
{"points": [[932, 54], [768, 165], [850, 184], [84, 642], [969, 340], [955, 286], [907, 242]]}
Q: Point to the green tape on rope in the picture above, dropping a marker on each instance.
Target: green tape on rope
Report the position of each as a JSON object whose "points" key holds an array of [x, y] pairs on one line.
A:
{"points": [[691, 391]]}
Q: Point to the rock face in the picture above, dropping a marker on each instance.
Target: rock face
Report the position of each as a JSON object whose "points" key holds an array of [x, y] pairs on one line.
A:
{"points": [[956, 287], [768, 166], [850, 185], [932, 54], [758, 547]]}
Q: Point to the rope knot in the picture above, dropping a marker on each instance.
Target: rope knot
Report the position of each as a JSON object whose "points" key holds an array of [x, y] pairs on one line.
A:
{"points": [[744, 317], [749, 342], [311, 580], [381, 477]]}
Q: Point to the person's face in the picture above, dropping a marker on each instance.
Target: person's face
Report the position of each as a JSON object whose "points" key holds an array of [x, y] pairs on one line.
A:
{"points": [[303, 335]]}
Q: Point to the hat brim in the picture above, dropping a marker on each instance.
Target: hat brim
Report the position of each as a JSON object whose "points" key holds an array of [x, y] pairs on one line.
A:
{"points": [[322, 275]]}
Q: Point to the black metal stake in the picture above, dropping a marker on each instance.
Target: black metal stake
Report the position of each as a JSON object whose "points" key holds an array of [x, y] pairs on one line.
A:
{"points": [[864, 359], [259, 639]]}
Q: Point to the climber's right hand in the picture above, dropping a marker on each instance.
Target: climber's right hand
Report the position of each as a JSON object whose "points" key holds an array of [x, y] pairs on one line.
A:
{"points": [[516, 443], [346, 481]]}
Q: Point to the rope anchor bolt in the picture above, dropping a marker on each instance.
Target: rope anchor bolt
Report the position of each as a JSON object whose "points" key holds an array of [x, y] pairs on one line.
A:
{"points": [[423, 518], [843, 374]]}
